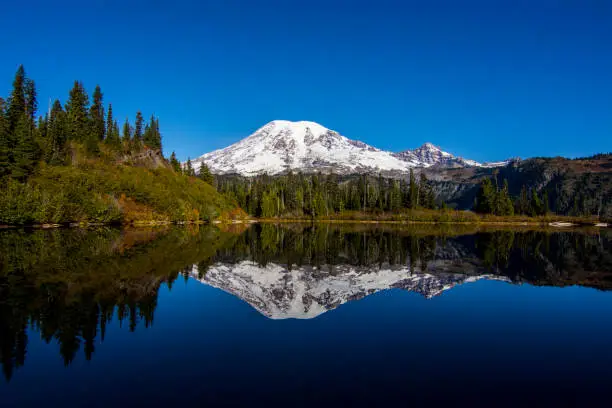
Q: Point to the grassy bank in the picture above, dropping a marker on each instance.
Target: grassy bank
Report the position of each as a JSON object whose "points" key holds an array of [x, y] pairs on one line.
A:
{"points": [[439, 216], [95, 191]]}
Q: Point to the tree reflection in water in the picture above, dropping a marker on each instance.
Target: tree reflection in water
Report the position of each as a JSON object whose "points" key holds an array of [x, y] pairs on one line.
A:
{"points": [[68, 285]]}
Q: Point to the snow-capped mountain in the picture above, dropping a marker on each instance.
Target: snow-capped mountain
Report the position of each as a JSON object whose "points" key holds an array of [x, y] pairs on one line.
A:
{"points": [[431, 155], [307, 292], [281, 145]]}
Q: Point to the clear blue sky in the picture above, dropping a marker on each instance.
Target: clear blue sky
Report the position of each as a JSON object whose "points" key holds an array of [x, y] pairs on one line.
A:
{"points": [[483, 79]]}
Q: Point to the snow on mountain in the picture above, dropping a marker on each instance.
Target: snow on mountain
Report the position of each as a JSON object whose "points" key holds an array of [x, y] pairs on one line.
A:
{"points": [[281, 145], [431, 155], [307, 292], [307, 146], [499, 163]]}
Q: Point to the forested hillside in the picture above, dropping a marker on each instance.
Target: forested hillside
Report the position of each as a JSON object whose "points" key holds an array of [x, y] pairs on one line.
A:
{"points": [[73, 164], [533, 187], [575, 187]]}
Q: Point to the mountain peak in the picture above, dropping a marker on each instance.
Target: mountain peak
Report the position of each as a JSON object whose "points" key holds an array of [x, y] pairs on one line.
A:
{"points": [[283, 145], [429, 146], [298, 126]]}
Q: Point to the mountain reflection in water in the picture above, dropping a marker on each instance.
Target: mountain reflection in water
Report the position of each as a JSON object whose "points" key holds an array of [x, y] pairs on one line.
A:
{"points": [[69, 285]]}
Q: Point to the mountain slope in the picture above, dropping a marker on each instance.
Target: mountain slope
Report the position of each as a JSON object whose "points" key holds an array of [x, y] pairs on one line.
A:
{"points": [[138, 188], [281, 145], [431, 155]]}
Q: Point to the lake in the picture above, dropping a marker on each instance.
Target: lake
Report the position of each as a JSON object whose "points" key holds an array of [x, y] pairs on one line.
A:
{"points": [[305, 315]]}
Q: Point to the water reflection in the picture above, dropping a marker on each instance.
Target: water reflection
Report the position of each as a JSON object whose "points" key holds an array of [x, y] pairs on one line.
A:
{"points": [[302, 272], [68, 285]]}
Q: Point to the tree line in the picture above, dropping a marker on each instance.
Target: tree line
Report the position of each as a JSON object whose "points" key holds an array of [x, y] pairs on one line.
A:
{"points": [[203, 173], [26, 140], [492, 199], [319, 195]]}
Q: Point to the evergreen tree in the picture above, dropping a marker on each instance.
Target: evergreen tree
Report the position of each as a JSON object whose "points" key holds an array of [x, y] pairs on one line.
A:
{"points": [[31, 103], [152, 137], [157, 137], [76, 113], [16, 102], [426, 194], [96, 114], [205, 174], [522, 205], [485, 201], [26, 151], [545, 203], [505, 206], [189, 168], [110, 121], [395, 196], [4, 141], [116, 133], [127, 132], [536, 203], [138, 129], [57, 133], [112, 132], [414, 194], [174, 163]]}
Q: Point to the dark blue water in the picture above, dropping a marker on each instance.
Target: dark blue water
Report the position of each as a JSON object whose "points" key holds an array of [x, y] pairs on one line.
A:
{"points": [[485, 343]]}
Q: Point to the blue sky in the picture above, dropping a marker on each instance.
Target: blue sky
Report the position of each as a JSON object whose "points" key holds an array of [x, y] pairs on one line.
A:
{"points": [[483, 79]]}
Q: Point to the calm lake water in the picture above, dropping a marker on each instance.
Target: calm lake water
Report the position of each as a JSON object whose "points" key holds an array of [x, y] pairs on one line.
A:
{"points": [[304, 315]]}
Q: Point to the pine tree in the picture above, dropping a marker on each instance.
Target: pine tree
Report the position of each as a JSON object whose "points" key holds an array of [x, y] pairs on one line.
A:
{"points": [[110, 121], [485, 201], [536, 203], [148, 138], [116, 133], [31, 103], [138, 129], [152, 136], [26, 151], [57, 133], [157, 138], [127, 132], [189, 168], [76, 113], [175, 163], [426, 195], [395, 198], [112, 132], [205, 174], [4, 140], [16, 102], [504, 205], [96, 115], [522, 206], [545, 203], [414, 194]]}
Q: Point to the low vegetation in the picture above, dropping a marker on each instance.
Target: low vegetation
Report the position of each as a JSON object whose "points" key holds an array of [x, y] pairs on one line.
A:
{"points": [[73, 166]]}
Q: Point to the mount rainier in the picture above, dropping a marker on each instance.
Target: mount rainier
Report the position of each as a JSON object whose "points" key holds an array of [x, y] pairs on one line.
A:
{"points": [[281, 145]]}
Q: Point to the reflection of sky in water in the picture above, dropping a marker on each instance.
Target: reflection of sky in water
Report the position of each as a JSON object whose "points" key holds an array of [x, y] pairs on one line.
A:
{"points": [[441, 328], [475, 340]]}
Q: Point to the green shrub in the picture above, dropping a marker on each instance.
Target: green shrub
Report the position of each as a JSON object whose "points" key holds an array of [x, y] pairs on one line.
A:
{"points": [[91, 192]]}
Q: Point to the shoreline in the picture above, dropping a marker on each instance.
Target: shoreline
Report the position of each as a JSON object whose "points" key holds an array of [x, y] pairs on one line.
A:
{"points": [[534, 223], [484, 223]]}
